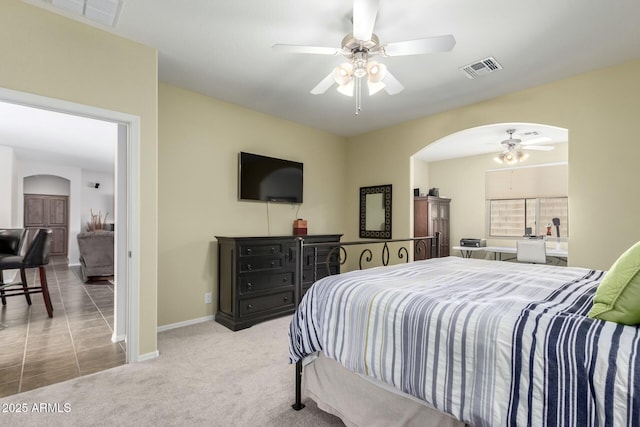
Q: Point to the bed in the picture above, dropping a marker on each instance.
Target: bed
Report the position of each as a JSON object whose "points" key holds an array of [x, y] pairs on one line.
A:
{"points": [[452, 341]]}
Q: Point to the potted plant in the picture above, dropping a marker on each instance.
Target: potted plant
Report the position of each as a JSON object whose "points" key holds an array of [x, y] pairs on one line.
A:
{"points": [[97, 221]]}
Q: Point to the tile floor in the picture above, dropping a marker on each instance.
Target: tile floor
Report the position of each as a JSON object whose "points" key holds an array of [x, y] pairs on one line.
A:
{"points": [[36, 351]]}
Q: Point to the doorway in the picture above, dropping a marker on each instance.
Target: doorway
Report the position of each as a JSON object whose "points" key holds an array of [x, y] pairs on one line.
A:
{"points": [[127, 246]]}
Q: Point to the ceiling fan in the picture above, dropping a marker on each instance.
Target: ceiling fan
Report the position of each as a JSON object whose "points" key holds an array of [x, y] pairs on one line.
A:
{"points": [[513, 148], [359, 47]]}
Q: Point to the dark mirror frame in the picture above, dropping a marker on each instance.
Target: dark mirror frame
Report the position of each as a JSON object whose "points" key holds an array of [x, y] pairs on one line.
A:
{"points": [[386, 195]]}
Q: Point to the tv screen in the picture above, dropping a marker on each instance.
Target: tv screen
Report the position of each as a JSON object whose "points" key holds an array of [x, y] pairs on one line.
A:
{"points": [[269, 179]]}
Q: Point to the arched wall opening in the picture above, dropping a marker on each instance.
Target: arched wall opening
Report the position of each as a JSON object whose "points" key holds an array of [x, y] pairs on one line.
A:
{"points": [[458, 164]]}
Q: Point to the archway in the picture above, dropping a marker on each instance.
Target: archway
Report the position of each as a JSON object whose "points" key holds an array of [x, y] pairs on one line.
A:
{"points": [[457, 165]]}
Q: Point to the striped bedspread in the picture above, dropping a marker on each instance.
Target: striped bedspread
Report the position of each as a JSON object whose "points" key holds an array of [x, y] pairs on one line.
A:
{"points": [[491, 343]]}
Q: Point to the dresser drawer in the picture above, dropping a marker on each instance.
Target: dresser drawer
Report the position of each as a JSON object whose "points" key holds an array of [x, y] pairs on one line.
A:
{"points": [[260, 282], [320, 256], [251, 306], [253, 249], [249, 264]]}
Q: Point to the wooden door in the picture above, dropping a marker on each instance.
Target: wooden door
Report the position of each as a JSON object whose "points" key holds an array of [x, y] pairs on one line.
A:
{"points": [[45, 211], [443, 227], [420, 228], [425, 223]]}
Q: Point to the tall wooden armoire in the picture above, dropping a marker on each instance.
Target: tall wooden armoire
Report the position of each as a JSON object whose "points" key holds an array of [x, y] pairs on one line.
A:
{"points": [[431, 214]]}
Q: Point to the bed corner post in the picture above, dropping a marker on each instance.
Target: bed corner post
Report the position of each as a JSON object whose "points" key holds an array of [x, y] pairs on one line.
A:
{"points": [[298, 405], [299, 257]]}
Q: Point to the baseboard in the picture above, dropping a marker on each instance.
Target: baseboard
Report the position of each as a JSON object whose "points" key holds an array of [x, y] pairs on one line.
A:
{"points": [[148, 356], [117, 338], [185, 323]]}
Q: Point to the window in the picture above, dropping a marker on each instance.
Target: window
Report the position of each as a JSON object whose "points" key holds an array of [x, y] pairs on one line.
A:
{"points": [[514, 217]]}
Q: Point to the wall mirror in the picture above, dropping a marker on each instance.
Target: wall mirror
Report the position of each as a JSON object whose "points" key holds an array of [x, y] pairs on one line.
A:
{"points": [[375, 212]]}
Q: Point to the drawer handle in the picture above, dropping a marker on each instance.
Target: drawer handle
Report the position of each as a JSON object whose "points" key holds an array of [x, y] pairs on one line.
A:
{"points": [[284, 279], [249, 267], [273, 250], [273, 264], [249, 251], [285, 299], [249, 286], [250, 307]]}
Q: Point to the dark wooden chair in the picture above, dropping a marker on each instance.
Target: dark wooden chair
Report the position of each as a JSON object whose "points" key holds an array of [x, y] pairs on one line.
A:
{"points": [[36, 255], [11, 243]]}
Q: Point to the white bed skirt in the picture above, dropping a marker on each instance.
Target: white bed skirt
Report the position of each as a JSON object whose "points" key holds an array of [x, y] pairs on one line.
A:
{"points": [[357, 401]]}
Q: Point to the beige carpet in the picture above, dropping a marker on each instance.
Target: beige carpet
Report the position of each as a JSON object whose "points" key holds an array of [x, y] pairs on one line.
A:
{"points": [[205, 375]]}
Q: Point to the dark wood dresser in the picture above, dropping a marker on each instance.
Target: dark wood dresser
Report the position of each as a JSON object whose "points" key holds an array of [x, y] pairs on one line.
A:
{"points": [[256, 276]]}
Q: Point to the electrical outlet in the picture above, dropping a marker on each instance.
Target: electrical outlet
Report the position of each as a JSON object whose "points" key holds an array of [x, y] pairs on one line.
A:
{"points": [[207, 298]]}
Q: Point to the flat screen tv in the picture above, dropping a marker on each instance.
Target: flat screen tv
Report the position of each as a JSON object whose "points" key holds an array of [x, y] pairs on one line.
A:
{"points": [[269, 179]]}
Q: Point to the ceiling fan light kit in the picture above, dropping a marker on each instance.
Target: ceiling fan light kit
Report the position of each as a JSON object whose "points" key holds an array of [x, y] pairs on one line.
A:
{"points": [[511, 157], [359, 47], [513, 149]]}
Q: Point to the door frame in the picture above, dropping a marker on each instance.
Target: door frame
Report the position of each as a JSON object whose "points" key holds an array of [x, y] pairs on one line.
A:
{"points": [[127, 247]]}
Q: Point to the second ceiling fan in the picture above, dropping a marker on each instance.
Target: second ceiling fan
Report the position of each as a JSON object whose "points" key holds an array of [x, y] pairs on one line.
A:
{"points": [[513, 148], [358, 47]]}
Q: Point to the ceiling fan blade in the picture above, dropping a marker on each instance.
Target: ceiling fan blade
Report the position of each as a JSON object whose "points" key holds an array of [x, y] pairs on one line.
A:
{"points": [[537, 140], [538, 147], [325, 84], [421, 46], [364, 18], [393, 86], [292, 48]]}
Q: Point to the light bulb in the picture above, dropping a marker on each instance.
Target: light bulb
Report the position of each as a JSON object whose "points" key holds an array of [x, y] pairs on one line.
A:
{"points": [[360, 72], [376, 71], [342, 73]]}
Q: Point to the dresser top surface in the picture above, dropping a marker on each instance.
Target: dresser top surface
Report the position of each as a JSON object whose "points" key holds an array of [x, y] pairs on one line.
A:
{"points": [[289, 237]]}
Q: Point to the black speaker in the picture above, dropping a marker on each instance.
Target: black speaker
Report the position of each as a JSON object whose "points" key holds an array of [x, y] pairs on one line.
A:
{"points": [[556, 222], [416, 192]]}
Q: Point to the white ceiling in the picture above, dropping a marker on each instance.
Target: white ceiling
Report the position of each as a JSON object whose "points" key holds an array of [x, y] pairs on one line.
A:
{"points": [[64, 139], [223, 49]]}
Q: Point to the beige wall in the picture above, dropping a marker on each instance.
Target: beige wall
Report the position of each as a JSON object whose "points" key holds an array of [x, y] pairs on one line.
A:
{"points": [[421, 176], [52, 56], [199, 142], [600, 110], [463, 180]]}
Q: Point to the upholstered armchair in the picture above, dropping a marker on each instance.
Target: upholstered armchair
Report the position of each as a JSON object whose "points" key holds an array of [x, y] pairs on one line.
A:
{"points": [[96, 254]]}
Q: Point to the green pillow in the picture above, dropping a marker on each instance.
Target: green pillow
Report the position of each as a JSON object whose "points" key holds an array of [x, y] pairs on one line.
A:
{"points": [[617, 298]]}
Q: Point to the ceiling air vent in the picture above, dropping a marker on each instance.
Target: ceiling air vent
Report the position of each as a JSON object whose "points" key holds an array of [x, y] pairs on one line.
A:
{"points": [[104, 12], [482, 67]]}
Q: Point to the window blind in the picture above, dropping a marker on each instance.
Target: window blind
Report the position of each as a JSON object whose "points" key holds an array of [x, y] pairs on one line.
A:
{"points": [[527, 182]]}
